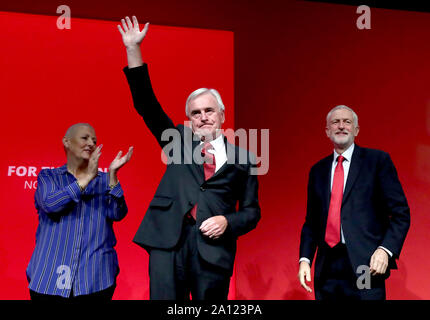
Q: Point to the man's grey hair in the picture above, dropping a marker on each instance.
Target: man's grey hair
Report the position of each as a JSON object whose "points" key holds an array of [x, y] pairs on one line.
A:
{"points": [[354, 115], [201, 91], [72, 129]]}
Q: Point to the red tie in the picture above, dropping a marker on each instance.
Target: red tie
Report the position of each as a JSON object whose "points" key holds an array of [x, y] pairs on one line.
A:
{"points": [[332, 233], [209, 168], [209, 164]]}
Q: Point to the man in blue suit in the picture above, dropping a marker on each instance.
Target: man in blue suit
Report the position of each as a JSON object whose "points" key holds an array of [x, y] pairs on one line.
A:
{"points": [[357, 215]]}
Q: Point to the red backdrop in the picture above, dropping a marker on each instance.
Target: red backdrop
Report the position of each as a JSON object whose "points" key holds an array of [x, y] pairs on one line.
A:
{"points": [[319, 59], [294, 60], [53, 78]]}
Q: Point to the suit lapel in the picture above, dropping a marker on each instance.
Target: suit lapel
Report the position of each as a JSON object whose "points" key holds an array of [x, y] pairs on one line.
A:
{"points": [[196, 169], [354, 170], [326, 181]]}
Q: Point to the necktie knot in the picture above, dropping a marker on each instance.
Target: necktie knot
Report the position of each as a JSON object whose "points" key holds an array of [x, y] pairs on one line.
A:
{"points": [[340, 159], [208, 157], [206, 146]]}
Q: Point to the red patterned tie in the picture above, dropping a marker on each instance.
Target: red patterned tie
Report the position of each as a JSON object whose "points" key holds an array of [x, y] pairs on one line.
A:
{"points": [[332, 233], [209, 168]]}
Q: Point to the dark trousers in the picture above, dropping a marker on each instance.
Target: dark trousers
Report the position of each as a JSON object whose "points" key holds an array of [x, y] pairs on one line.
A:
{"points": [[104, 295], [338, 280], [176, 273]]}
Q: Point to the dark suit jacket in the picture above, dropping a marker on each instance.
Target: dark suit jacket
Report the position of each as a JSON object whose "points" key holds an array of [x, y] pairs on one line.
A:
{"points": [[183, 185], [374, 209]]}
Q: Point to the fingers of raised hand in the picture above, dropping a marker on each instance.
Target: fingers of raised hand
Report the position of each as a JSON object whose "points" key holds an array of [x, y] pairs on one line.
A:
{"points": [[118, 155], [135, 23], [96, 153], [126, 157], [129, 153], [129, 24], [145, 29], [124, 25], [120, 30]]}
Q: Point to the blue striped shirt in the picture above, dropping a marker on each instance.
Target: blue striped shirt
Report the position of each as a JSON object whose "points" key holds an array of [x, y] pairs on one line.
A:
{"points": [[74, 239]]}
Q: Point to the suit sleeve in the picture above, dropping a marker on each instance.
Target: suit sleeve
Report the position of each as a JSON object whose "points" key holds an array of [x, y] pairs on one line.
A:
{"points": [[249, 213], [309, 237], [146, 103], [396, 205]]}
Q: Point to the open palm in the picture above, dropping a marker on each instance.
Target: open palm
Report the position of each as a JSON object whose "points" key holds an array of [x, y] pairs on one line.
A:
{"points": [[130, 32], [119, 161]]}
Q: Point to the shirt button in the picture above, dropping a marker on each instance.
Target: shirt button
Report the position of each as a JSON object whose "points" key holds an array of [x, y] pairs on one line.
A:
{"points": [[202, 189]]}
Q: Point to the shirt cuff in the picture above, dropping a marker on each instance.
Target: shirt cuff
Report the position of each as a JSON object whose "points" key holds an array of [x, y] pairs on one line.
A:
{"points": [[74, 191], [305, 259], [128, 70], [116, 191], [386, 250]]}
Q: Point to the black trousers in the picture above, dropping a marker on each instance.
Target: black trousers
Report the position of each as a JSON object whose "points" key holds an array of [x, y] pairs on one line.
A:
{"points": [[177, 273], [338, 280], [104, 295]]}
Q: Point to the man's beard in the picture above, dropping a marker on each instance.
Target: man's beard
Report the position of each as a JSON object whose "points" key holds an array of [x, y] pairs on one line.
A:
{"points": [[342, 141]]}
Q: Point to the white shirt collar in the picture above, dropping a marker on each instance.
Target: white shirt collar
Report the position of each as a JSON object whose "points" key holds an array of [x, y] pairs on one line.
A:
{"points": [[347, 154], [218, 143]]}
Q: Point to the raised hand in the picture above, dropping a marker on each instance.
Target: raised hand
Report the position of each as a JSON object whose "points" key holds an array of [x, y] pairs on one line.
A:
{"points": [[116, 164], [93, 163], [130, 32], [119, 161], [92, 169]]}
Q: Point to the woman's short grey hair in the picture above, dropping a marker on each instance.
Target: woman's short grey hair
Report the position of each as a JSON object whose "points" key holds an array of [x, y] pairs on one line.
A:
{"points": [[201, 91], [354, 115], [71, 130]]}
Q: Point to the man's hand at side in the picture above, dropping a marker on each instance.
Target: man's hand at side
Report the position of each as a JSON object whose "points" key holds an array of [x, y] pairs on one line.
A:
{"points": [[214, 227], [378, 262], [305, 275]]}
